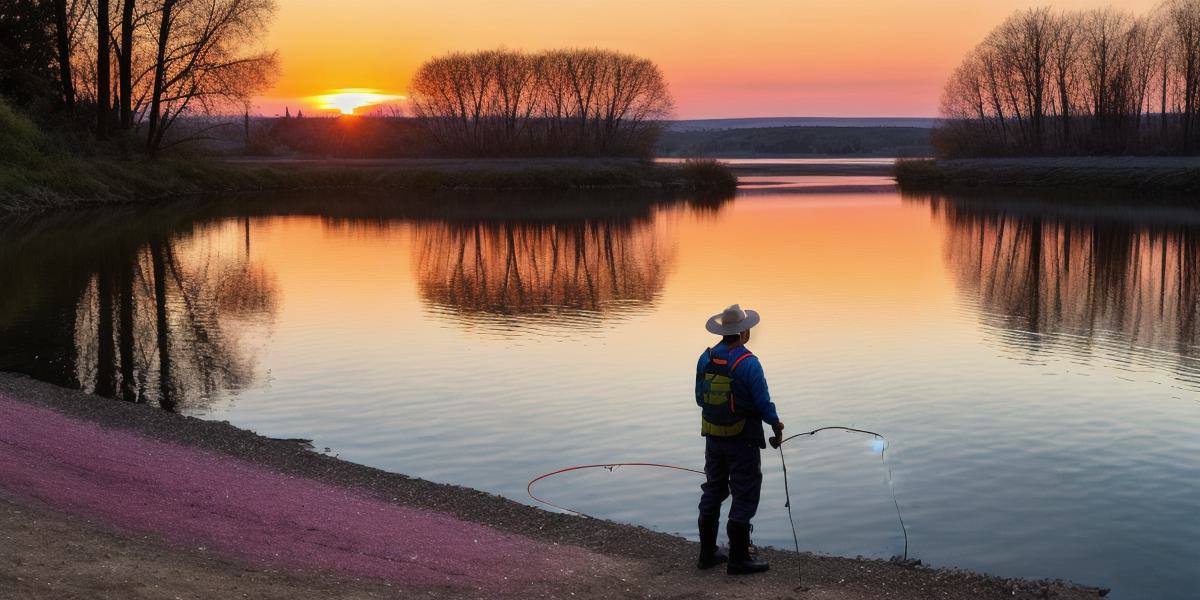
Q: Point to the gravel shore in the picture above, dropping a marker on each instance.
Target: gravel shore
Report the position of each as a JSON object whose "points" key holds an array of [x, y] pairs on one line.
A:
{"points": [[53, 545]]}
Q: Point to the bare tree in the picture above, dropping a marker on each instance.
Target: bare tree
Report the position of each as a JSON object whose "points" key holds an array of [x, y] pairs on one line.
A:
{"points": [[62, 38], [515, 95], [558, 102], [1028, 45], [1183, 30], [125, 64], [1106, 68], [1145, 48], [200, 63], [1064, 59], [1101, 74], [103, 103]]}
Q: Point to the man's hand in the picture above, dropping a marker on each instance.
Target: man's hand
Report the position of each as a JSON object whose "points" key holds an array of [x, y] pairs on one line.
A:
{"points": [[777, 439]]}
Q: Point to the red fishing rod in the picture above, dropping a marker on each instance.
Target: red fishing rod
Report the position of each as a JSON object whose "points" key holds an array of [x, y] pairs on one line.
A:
{"points": [[783, 463]]}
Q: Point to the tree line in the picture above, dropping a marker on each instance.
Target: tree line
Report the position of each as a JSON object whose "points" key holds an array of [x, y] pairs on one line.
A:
{"points": [[1086, 82], [134, 66], [504, 102]]}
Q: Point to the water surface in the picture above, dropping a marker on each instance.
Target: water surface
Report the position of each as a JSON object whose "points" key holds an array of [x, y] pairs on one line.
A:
{"points": [[1032, 361]]}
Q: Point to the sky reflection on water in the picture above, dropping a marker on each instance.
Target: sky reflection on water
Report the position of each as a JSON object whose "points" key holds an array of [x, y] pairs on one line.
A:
{"points": [[1033, 365]]}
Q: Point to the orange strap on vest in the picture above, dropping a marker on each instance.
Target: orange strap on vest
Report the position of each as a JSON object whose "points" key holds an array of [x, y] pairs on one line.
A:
{"points": [[737, 362], [732, 404]]}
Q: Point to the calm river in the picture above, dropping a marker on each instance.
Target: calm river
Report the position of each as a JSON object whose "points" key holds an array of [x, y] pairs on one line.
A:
{"points": [[1034, 363]]}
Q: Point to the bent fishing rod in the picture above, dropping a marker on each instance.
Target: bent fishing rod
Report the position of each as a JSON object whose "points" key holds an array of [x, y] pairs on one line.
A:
{"points": [[782, 460]]}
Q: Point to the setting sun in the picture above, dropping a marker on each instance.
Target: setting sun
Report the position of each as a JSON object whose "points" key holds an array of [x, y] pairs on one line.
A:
{"points": [[347, 101]]}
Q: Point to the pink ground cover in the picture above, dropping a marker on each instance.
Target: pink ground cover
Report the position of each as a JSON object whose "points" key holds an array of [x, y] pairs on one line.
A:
{"points": [[201, 499]]}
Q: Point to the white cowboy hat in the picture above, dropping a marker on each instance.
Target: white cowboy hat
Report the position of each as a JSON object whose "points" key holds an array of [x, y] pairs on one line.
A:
{"points": [[732, 321]]}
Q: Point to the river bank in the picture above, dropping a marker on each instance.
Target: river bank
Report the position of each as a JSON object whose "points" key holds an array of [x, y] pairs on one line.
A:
{"points": [[78, 182], [1133, 173], [45, 171], [164, 505]]}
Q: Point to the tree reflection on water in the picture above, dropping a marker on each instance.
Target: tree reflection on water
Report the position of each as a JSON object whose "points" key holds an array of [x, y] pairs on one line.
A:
{"points": [[567, 271], [145, 310], [1097, 272], [165, 305]]}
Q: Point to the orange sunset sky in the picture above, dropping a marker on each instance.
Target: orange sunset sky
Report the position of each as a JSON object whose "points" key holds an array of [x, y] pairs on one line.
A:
{"points": [[722, 59]]}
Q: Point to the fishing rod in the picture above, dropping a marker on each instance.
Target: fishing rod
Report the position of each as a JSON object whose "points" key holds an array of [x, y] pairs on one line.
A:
{"points": [[782, 461], [882, 458]]}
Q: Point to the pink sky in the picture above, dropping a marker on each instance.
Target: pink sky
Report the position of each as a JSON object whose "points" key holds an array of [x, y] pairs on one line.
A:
{"points": [[722, 59]]}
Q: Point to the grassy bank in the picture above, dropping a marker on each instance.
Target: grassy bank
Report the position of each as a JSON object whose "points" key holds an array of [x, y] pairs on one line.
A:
{"points": [[1179, 174], [39, 172]]}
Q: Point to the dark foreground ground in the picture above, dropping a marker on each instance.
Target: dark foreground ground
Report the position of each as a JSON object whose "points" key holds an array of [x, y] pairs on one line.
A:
{"points": [[1133, 173], [103, 499]]}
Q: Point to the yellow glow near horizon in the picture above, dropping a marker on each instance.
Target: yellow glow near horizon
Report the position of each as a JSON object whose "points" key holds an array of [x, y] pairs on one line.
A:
{"points": [[721, 59], [347, 101]]}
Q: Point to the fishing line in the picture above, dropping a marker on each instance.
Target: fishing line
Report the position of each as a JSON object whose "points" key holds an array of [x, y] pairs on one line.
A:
{"points": [[783, 462], [788, 496], [609, 466], [882, 458]]}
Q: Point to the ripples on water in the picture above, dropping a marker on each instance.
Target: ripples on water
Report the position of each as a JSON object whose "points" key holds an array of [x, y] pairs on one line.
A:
{"points": [[1032, 361]]}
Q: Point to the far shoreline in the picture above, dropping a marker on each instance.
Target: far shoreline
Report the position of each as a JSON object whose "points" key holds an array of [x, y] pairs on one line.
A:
{"points": [[89, 182], [1129, 173]]}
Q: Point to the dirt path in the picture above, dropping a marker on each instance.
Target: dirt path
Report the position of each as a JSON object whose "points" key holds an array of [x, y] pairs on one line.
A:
{"points": [[196, 498], [105, 499], [45, 555]]}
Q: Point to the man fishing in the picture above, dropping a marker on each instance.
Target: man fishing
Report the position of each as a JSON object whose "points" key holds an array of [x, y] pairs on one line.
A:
{"points": [[732, 392]]}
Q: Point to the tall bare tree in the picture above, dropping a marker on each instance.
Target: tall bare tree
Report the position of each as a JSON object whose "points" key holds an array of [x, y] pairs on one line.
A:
{"points": [[1183, 30], [62, 38], [1064, 59], [561, 101], [125, 64], [1079, 82], [103, 102], [201, 59], [1028, 45]]}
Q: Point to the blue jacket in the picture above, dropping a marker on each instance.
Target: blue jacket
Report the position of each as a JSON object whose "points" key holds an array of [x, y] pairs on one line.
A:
{"points": [[748, 382]]}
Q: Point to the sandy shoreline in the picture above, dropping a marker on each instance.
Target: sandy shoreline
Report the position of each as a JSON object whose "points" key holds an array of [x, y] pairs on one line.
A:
{"points": [[100, 498]]}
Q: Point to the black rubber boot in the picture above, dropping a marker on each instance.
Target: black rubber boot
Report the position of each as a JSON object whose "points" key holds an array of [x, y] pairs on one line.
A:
{"points": [[740, 562], [710, 554]]}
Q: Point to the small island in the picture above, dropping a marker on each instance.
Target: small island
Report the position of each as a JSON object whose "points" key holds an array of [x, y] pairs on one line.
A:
{"points": [[1076, 99]]}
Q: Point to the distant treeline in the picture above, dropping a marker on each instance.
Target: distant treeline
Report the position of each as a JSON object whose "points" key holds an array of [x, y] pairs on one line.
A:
{"points": [[833, 141], [384, 136], [585, 102], [1094, 82]]}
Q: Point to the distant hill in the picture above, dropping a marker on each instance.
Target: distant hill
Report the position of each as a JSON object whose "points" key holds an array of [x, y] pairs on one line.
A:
{"points": [[749, 142], [763, 122]]}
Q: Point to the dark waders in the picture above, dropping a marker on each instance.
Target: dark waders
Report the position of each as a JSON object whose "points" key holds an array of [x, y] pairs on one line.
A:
{"points": [[732, 467]]}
